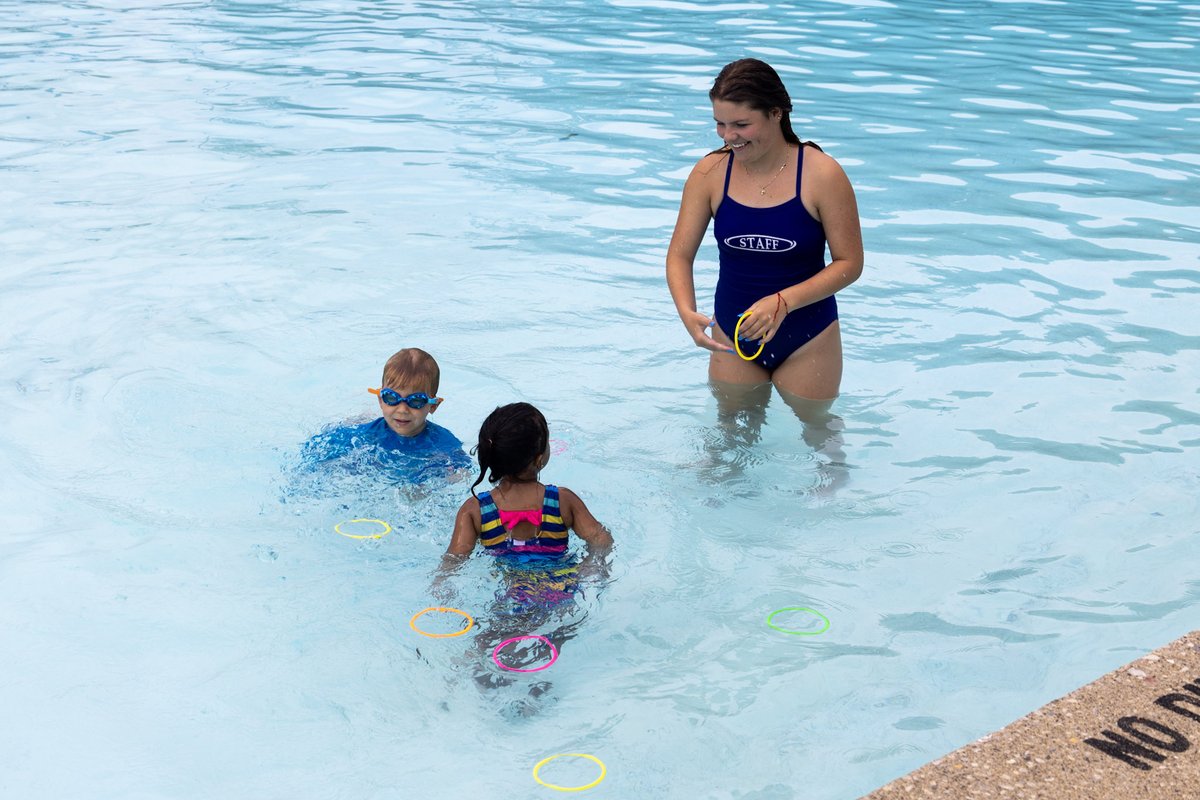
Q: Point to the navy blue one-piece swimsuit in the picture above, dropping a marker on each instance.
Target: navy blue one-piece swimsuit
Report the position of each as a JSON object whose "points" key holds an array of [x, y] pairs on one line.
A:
{"points": [[763, 251]]}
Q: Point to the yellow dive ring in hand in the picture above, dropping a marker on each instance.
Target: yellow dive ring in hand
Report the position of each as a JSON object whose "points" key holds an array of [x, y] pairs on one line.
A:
{"points": [[762, 343]]}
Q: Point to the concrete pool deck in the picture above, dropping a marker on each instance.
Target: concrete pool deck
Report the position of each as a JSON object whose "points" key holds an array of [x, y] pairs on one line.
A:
{"points": [[1132, 734]]}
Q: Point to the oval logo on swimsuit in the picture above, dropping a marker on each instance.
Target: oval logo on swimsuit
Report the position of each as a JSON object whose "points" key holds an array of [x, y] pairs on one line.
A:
{"points": [[759, 244]]}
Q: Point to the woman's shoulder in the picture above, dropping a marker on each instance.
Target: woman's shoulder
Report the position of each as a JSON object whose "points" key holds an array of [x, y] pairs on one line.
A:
{"points": [[819, 161], [709, 162], [708, 175]]}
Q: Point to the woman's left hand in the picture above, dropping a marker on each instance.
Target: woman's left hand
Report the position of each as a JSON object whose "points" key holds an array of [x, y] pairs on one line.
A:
{"points": [[761, 321]]}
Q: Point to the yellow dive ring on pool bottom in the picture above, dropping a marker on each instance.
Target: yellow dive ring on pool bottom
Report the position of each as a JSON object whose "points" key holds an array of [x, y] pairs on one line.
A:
{"points": [[761, 344], [538, 767], [386, 529]]}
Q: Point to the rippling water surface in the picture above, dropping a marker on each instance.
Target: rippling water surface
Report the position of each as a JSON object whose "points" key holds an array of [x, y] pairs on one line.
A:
{"points": [[221, 217]]}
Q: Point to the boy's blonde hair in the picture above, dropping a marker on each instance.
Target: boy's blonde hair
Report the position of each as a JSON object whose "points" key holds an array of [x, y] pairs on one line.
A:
{"points": [[412, 367]]}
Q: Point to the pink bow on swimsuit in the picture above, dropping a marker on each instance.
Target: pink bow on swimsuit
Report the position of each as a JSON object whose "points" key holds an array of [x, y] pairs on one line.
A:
{"points": [[510, 519]]}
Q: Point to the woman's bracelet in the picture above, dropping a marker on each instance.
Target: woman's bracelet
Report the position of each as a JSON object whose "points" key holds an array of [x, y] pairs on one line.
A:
{"points": [[779, 299]]}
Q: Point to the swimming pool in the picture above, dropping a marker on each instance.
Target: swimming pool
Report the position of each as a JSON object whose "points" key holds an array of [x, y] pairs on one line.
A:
{"points": [[223, 216]]}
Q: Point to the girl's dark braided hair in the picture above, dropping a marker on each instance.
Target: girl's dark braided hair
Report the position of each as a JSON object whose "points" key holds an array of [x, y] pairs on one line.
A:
{"points": [[510, 440]]}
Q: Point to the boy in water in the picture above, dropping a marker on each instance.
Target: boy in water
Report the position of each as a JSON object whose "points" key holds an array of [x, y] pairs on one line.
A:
{"points": [[403, 443]]}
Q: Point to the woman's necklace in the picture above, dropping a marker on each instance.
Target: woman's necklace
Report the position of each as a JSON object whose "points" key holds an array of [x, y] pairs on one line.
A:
{"points": [[762, 190]]}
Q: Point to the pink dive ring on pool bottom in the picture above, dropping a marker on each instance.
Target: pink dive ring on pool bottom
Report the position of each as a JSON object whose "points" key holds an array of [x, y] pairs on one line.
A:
{"points": [[506, 642]]}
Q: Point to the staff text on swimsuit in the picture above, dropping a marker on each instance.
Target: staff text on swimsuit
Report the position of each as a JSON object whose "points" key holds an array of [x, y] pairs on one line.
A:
{"points": [[759, 243]]}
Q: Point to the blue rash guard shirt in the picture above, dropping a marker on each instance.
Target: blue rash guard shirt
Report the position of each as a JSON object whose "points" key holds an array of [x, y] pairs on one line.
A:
{"points": [[373, 446]]}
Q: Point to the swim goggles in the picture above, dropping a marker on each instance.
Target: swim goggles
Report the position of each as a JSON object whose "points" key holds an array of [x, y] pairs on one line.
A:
{"points": [[415, 401]]}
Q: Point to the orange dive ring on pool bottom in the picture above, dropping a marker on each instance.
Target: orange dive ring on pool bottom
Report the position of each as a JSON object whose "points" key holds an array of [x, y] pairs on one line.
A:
{"points": [[412, 623]]}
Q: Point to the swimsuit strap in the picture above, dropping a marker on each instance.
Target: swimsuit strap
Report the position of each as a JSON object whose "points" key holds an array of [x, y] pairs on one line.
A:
{"points": [[799, 169], [550, 504], [800, 165], [491, 531], [553, 525], [728, 172]]}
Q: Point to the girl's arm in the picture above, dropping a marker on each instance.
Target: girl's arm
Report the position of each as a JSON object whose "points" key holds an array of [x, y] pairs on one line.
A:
{"points": [[586, 526], [462, 542], [466, 531]]}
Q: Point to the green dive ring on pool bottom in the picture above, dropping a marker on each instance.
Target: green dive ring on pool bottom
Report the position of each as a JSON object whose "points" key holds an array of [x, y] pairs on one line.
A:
{"points": [[813, 611], [538, 767]]}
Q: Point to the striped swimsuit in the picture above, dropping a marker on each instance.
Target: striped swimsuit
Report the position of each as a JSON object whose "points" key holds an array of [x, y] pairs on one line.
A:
{"points": [[550, 539]]}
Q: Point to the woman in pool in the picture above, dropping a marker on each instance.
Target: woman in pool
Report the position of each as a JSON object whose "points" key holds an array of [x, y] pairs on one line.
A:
{"points": [[776, 202]]}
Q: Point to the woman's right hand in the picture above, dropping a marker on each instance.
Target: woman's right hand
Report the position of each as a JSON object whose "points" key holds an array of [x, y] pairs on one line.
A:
{"points": [[698, 326]]}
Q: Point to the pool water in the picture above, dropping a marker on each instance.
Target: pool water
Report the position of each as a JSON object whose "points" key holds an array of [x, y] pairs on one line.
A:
{"points": [[222, 217]]}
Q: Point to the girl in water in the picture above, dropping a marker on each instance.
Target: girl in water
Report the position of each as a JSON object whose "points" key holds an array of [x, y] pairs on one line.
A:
{"points": [[520, 517], [525, 525]]}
